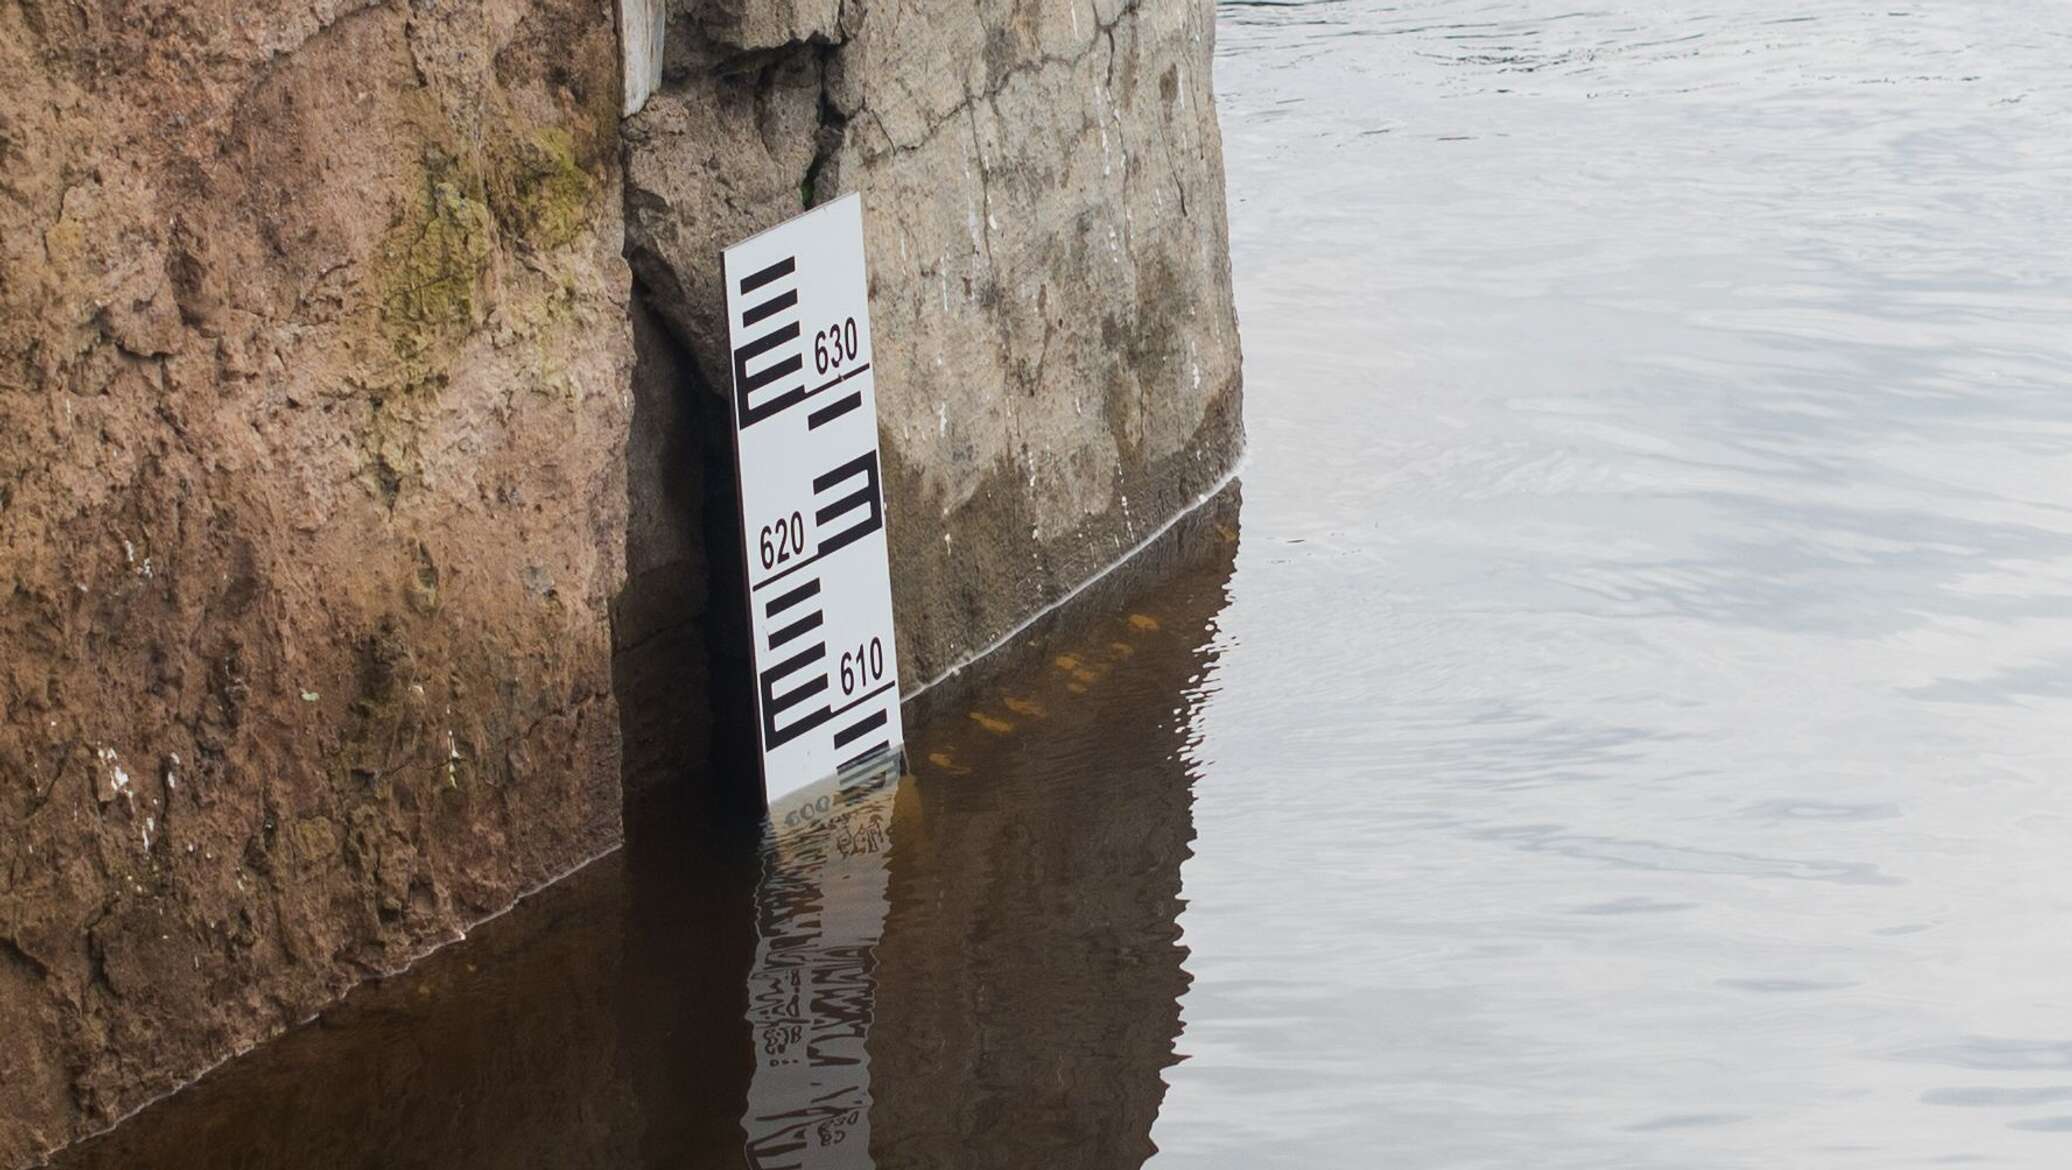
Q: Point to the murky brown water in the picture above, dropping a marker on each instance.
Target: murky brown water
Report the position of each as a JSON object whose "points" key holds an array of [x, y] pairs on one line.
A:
{"points": [[1632, 730], [1002, 988]]}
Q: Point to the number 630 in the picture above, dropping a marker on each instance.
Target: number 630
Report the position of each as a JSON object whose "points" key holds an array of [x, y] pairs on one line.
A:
{"points": [[834, 346]]}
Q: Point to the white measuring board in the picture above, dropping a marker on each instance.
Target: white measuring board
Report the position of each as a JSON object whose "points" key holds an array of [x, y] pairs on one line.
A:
{"points": [[812, 509]]}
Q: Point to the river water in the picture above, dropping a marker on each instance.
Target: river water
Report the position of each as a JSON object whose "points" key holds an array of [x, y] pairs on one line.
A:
{"points": [[1622, 724], [1642, 726]]}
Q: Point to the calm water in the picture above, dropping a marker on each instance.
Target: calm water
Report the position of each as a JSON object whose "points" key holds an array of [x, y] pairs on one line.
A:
{"points": [[1624, 725], [1642, 726]]}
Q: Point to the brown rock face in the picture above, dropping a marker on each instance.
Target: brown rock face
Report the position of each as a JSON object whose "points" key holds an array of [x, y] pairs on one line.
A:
{"points": [[1057, 360], [314, 354], [1010, 965], [335, 604]]}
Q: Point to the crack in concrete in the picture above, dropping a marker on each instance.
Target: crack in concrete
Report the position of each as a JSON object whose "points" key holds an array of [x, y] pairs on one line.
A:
{"points": [[1103, 30], [833, 129]]}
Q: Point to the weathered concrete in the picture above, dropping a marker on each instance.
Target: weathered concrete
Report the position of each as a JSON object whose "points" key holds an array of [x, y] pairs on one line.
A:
{"points": [[313, 369], [1057, 358], [641, 27], [327, 571]]}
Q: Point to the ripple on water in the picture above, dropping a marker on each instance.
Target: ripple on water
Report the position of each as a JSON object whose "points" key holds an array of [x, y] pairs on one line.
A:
{"points": [[1656, 757]]}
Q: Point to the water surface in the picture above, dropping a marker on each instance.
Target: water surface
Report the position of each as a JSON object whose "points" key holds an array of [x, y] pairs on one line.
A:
{"points": [[1639, 735], [1628, 729]]}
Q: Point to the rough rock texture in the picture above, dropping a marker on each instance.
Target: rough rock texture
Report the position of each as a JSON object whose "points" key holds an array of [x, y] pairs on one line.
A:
{"points": [[314, 353], [1057, 360], [658, 658], [321, 603], [1021, 983]]}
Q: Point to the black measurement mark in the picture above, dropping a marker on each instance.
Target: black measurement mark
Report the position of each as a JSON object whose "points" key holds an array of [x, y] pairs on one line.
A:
{"points": [[781, 344], [771, 307], [864, 496], [776, 730], [834, 410], [861, 496], [775, 705], [804, 696], [786, 601], [773, 578], [840, 406], [838, 379], [860, 700], [746, 383], [882, 747], [758, 279], [857, 730], [779, 354], [781, 723], [797, 629]]}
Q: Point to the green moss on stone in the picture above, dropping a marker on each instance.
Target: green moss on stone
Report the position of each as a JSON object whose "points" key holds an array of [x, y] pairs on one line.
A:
{"points": [[541, 193], [435, 262]]}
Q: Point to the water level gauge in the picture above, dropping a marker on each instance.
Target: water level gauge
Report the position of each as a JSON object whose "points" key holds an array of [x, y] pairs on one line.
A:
{"points": [[812, 508]]}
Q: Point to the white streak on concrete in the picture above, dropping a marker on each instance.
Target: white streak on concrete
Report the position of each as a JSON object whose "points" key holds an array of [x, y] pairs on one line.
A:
{"points": [[1083, 586], [641, 27]]}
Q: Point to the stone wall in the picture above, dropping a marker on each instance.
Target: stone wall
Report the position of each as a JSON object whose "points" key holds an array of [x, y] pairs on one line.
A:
{"points": [[356, 498], [1057, 361], [314, 353], [1023, 984]]}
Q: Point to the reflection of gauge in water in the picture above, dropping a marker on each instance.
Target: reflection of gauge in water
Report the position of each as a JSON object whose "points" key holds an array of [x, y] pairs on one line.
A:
{"points": [[820, 911]]}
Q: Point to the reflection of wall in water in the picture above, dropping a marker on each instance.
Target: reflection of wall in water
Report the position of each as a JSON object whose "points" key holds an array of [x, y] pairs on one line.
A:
{"points": [[599, 1024], [1029, 980], [497, 1052], [1019, 1000]]}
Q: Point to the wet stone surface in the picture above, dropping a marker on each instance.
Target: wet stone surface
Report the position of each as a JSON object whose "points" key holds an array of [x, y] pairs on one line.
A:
{"points": [[883, 973]]}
